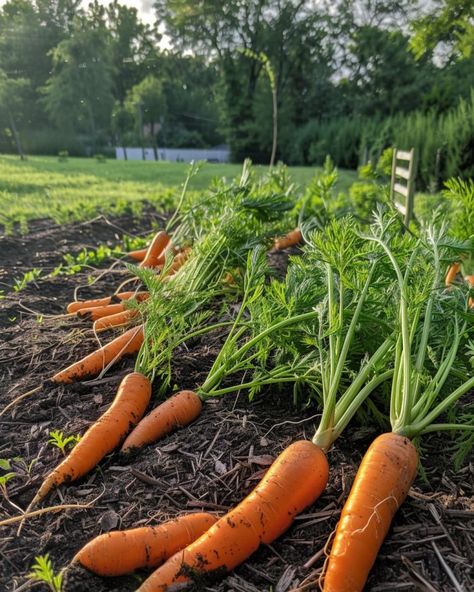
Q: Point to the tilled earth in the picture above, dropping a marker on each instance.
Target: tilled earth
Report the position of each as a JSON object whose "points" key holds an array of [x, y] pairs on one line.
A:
{"points": [[210, 465]]}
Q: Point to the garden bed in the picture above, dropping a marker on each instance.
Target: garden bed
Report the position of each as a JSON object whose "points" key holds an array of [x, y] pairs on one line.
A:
{"points": [[209, 465]]}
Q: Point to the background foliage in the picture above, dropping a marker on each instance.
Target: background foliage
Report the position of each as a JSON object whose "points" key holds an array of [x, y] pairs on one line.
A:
{"points": [[352, 78]]}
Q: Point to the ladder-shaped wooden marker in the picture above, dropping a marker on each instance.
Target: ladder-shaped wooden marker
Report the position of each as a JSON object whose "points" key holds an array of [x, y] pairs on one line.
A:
{"points": [[403, 182]]}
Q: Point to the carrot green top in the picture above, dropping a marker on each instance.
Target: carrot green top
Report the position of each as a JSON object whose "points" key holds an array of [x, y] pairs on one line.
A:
{"points": [[433, 323]]}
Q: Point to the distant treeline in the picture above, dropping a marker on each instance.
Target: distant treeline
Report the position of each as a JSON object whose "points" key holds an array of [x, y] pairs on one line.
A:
{"points": [[352, 77]]}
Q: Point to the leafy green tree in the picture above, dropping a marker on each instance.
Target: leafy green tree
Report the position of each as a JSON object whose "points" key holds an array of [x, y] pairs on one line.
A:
{"points": [[447, 22], [218, 29], [12, 93], [78, 95], [131, 43], [148, 101], [29, 30], [122, 125]]}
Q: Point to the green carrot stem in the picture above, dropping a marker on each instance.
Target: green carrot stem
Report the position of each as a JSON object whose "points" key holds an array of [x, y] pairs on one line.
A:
{"points": [[447, 427], [417, 428], [214, 378], [357, 401]]}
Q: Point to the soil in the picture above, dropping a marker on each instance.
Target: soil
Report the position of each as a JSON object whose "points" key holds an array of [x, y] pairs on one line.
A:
{"points": [[210, 465]]}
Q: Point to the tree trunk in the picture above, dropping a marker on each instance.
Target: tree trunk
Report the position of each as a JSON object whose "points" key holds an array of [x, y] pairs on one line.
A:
{"points": [[275, 126], [16, 137]]}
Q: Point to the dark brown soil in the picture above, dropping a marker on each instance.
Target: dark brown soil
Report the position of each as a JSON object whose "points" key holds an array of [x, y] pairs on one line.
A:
{"points": [[210, 465]]}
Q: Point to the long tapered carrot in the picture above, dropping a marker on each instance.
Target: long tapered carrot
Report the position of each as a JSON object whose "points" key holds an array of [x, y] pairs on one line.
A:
{"points": [[292, 238], [156, 248], [452, 273], [115, 320], [177, 411], [380, 487], [77, 305], [104, 435], [97, 312], [138, 254], [123, 551], [293, 482], [127, 343]]}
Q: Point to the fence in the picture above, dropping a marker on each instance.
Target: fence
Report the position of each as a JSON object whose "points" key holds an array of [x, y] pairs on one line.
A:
{"points": [[174, 154]]}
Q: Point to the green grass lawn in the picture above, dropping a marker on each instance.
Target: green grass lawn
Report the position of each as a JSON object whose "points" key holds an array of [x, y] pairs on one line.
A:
{"points": [[80, 188]]}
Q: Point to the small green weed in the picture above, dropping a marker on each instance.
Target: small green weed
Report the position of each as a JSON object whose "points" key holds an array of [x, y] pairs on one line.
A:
{"points": [[28, 277], [42, 571], [58, 439], [5, 465]]}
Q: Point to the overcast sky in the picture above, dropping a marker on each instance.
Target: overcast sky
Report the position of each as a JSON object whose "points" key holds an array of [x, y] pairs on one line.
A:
{"points": [[144, 7]]}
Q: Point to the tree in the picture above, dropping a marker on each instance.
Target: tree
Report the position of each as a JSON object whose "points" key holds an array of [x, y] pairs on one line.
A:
{"points": [[132, 43], [29, 30], [11, 105], [447, 22], [148, 101], [78, 95], [122, 124], [218, 29]]}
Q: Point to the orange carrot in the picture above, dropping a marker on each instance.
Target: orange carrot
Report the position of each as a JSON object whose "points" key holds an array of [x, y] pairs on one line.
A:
{"points": [[177, 411], [127, 343], [452, 273], [178, 262], [116, 320], [104, 435], [293, 482], [97, 302], [292, 238], [381, 485], [123, 551], [157, 246], [138, 254], [97, 312]]}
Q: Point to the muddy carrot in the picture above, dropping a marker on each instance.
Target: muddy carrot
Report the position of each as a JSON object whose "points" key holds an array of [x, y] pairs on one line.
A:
{"points": [[116, 320], [127, 343], [77, 305], [177, 411], [293, 482], [381, 485], [156, 248], [104, 435], [292, 238], [121, 552]]}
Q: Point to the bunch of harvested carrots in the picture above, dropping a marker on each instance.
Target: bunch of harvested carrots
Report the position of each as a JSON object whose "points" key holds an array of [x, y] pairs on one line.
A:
{"points": [[329, 329]]}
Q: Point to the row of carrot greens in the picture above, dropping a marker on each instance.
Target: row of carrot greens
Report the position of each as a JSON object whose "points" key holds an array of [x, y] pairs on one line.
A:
{"points": [[363, 325]]}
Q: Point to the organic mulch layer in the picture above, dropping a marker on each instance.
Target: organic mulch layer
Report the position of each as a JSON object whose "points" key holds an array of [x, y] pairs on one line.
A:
{"points": [[208, 466]]}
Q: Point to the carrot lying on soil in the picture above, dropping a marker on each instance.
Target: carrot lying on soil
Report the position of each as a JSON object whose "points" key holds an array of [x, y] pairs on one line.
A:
{"points": [[453, 270], [107, 300], [116, 320], [121, 552], [97, 312], [177, 411], [156, 248], [293, 482], [292, 238], [127, 343], [380, 487], [131, 400], [138, 254]]}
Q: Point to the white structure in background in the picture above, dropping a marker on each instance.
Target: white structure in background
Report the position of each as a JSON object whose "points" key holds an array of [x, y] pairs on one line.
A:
{"points": [[217, 154]]}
